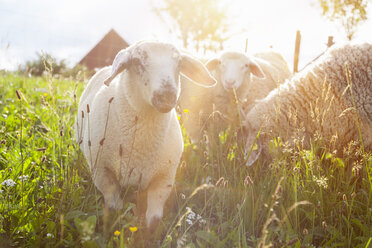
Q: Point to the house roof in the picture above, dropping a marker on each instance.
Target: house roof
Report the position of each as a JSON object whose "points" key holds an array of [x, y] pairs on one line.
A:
{"points": [[105, 51]]}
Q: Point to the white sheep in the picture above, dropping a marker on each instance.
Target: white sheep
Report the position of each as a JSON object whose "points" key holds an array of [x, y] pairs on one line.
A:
{"points": [[320, 100], [241, 80], [128, 131]]}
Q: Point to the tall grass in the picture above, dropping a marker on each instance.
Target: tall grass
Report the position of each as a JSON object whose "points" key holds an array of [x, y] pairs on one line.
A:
{"points": [[303, 198]]}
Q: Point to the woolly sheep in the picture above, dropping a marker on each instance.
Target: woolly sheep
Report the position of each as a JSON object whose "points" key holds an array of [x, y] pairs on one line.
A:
{"points": [[235, 89], [127, 126], [318, 100]]}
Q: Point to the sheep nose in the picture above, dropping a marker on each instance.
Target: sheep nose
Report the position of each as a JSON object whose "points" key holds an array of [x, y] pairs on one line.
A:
{"points": [[165, 99]]}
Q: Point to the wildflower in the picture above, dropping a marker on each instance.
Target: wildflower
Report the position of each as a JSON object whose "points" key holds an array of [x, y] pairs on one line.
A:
{"points": [[322, 181], [50, 235], [186, 110], [206, 180], [189, 221], [8, 182], [23, 178], [200, 219], [116, 233], [45, 94], [192, 216], [133, 229]]}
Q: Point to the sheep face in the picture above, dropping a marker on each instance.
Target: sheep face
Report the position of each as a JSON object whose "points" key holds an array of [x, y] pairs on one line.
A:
{"points": [[234, 68], [156, 68]]}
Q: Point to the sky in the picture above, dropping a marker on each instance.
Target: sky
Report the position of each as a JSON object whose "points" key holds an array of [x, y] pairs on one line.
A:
{"points": [[68, 29]]}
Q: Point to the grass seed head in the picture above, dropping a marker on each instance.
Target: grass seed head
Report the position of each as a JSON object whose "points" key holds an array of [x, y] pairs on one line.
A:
{"points": [[248, 181], [120, 150], [18, 95], [344, 198], [220, 181], [43, 149]]}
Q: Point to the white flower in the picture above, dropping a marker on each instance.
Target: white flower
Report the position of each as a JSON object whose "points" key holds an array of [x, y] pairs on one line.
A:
{"points": [[206, 180], [8, 182], [189, 221], [49, 235], [23, 178], [192, 216]]}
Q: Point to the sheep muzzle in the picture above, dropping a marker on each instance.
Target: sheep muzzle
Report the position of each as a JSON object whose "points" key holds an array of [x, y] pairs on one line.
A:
{"points": [[164, 100]]}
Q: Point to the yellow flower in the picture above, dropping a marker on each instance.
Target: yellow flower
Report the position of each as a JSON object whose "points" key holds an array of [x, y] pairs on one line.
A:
{"points": [[45, 94], [116, 233], [186, 110], [133, 229]]}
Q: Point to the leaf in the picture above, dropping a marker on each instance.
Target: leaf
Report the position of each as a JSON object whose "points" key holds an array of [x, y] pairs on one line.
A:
{"points": [[74, 214], [209, 237]]}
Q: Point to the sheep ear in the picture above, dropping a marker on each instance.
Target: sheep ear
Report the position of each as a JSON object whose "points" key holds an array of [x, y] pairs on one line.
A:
{"points": [[212, 64], [253, 149], [194, 70], [256, 69], [121, 62]]}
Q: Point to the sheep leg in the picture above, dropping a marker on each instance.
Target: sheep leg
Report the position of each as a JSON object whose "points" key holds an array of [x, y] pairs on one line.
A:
{"points": [[106, 182], [157, 194]]}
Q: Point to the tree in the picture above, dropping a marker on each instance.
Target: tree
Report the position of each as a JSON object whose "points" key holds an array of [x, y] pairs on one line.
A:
{"points": [[201, 24], [350, 13], [43, 62]]}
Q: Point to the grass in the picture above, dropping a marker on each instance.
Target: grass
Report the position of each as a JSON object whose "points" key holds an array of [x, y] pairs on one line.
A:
{"points": [[303, 198]]}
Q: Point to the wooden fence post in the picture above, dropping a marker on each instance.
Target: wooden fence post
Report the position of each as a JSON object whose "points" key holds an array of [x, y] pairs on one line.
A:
{"points": [[297, 51]]}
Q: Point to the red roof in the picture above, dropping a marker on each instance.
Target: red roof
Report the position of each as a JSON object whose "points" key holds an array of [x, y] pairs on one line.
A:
{"points": [[105, 51]]}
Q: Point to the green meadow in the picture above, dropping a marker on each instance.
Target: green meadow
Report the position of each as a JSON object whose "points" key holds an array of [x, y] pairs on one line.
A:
{"points": [[301, 198]]}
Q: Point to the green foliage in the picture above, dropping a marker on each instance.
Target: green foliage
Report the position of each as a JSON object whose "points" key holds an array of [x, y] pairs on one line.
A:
{"points": [[47, 65], [201, 24], [309, 198], [43, 63], [350, 13]]}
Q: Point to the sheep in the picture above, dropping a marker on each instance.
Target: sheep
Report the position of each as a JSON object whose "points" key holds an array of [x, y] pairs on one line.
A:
{"points": [[127, 126], [236, 89], [331, 99]]}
